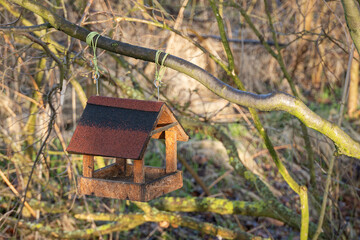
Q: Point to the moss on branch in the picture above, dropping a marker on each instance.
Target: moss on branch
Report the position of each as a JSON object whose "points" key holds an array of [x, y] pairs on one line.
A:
{"points": [[152, 214], [128, 222], [215, 205]]}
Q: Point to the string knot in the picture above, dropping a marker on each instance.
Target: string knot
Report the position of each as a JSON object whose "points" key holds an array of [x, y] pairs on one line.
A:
{"points": [[159, 73], [90, 41]]}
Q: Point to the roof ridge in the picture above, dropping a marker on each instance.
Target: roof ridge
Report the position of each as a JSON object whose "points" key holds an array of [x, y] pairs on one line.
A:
{"points": [[135, 104]]}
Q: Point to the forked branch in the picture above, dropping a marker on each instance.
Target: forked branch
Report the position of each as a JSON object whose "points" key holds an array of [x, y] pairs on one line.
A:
{"points": [[264, 102]]}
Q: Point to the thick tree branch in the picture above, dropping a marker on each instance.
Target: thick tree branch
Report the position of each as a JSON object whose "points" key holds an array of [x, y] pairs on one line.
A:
{"points": [[215, 205], [352, 16], [152, 214], [264, 102], [128, 222]]}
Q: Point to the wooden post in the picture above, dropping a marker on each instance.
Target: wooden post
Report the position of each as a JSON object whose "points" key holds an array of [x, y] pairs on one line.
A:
{"points": [[88, 166], [171, 151], [139, 173], [121, 164]]}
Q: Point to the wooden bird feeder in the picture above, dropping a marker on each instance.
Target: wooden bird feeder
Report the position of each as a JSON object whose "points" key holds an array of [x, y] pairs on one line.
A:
{"points": [[122, 128]]}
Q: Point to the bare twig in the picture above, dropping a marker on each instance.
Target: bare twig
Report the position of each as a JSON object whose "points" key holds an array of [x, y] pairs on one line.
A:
{"points": [[242, 41], [50, 126], [13, 189], [51, 54], [332, 160], [40, 27], [223, 35], [194, 174]]}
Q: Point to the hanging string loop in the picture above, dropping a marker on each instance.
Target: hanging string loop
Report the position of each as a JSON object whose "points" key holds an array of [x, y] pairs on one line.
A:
{"points": [[90, 41], [159, 71]]}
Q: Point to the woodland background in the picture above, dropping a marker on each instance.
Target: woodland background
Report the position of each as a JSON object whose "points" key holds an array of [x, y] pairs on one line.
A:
{"points": [[219, 200]]}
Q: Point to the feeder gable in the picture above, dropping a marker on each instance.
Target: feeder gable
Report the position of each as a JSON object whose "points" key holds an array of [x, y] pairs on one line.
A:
{"points": [[121, 128]]}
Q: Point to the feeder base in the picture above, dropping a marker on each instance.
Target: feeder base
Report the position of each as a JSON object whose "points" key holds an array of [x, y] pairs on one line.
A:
{"points": [[109, 182]]}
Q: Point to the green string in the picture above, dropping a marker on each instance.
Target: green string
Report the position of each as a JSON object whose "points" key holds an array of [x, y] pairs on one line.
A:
{"points": [[90, 41], [159, 73]]}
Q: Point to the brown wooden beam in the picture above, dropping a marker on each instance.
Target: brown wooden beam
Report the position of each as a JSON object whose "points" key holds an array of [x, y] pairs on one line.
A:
{"points": [[88, 166], [166, 127], [139, 173], [171, 151]]}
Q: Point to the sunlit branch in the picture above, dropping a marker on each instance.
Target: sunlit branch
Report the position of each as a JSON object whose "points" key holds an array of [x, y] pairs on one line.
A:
{"points": [[264, 102]]}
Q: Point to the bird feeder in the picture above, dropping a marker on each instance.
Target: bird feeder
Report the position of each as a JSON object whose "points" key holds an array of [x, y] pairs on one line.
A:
{"points": [[121, 129]]}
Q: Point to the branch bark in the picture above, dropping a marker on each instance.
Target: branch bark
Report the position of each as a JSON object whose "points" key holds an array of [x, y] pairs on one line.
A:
{"points": [[264, 102], [128, 222], [155, 215], [352, 16]]}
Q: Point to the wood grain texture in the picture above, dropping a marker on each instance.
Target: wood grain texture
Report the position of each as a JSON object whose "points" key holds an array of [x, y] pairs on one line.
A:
{"points": [[121, 163], [171, 151], [139, 173], [88, 166], [158, 184], [108, 171]]}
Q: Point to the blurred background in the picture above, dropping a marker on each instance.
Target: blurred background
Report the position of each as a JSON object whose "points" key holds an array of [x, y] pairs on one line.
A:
{"points": [[315, 45]]}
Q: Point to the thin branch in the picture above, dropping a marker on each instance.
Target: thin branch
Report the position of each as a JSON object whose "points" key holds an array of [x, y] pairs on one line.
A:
{"points": [[194, 174], [281, 167], [128, 222], [223, 35], [304, 205], [50, 126], [346, 85], [332, 160], [11, 23], [13, 189], [51, 54], [26, 28], [280, 60], [245, 41]]}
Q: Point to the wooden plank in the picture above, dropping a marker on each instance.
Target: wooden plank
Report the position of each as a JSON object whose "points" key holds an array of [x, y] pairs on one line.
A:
{"points": [[150, 172], [121, 163], [108, 171], [164, 128], [171, 151], [88, 166], [163, 185], [139, 173], [131, 191], [111, 189]]}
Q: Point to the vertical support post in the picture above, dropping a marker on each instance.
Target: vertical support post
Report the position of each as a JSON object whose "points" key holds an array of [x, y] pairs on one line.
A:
{"points": [[88, 166], [139, 173], [121, 164], [171, 151]]}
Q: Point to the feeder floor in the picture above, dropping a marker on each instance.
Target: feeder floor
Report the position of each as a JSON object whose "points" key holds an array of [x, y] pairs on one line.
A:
{"points": [[110, 182]]}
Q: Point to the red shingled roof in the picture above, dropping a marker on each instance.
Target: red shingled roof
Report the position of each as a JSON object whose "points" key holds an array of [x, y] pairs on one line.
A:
{"points": [[115, 127]]}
